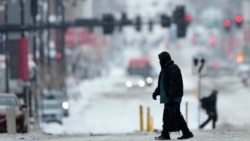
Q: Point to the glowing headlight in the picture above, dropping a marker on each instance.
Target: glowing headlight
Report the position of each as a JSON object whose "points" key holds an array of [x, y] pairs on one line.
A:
{"points": [[65, 105], [129, 84], [149, 80], [141, 83]]}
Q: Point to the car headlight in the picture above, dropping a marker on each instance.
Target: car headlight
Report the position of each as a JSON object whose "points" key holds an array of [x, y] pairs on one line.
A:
{"points": [[149, 80], [141, 83], [129, 84], [65, 105]]}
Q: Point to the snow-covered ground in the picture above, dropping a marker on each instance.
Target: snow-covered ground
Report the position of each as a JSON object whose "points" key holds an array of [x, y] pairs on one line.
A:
{"points": [[215, 135]]}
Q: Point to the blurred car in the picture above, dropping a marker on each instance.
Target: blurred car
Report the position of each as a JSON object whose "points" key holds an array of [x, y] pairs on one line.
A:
{"points": [[140, 67], [51, 110], [62, 95], [59, 95], [242, 69], [135, 81], [243, 72], [65, 106], [11, 100]]}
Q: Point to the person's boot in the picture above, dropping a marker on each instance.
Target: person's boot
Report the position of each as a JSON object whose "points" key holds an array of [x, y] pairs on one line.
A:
{"points": [[186, 136], [214, 125], [161, 137], [185, 131], [200, 127]]}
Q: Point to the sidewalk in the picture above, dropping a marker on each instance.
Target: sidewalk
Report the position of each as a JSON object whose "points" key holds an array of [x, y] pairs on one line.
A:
{"points": [[199, 135], [227, 135]]}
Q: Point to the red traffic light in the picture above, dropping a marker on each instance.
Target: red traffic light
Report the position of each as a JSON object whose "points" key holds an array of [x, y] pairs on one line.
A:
{"points": [[227, 23], [58, 55], [188, 17], [238, 18]]}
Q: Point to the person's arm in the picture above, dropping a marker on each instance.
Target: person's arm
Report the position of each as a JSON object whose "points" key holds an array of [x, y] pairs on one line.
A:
{"points": [[157, 90], [156, 93]]}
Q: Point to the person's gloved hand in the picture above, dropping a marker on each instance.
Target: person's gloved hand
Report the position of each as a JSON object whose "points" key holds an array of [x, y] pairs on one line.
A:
{"points": [[154, 95]]}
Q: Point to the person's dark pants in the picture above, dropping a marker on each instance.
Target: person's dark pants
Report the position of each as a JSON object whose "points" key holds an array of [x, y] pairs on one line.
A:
{"points": [[211, 117], [178, 120]]}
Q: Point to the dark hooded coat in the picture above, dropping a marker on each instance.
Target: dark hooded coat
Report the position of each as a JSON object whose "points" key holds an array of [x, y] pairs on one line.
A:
{"points": [[170, 83], [209, 103], [170, 89]]}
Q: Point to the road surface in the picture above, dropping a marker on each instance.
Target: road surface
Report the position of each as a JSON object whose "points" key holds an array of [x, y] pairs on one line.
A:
{"points": [[229, 134]]}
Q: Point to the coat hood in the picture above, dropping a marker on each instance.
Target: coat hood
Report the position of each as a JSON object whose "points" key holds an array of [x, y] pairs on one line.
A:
{"points": [[164, 57]]}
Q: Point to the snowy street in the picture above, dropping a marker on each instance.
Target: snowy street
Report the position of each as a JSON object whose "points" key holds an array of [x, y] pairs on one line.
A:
{"points": [[103, 109], [215, 135], [115, 116], [104, 78]]}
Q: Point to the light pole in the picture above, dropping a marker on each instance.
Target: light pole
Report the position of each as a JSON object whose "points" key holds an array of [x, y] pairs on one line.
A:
{"points": [[49, 33], [7, 89], [60, 45], [34, 12]]}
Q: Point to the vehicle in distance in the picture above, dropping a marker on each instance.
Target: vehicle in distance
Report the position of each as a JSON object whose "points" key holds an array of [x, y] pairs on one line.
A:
{"points": [[11, 100], [60, 95], [135, 81], [51, 110], [141, 67]]}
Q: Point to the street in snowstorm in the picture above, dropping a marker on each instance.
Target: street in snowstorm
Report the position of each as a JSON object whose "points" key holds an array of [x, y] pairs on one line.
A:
{"points": [[104, 107], [106, 110], [85, 70]]}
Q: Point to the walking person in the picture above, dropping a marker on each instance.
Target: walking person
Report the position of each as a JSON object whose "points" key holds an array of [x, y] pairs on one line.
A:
{"points": [[209, 105], [170, 90]]}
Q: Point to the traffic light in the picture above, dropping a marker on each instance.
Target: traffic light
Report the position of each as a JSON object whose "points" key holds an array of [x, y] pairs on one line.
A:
{"points": [[179, 14], [227, 24], [124, 21], [181, 29], [165, 20], [179, 20], [108, 23], [238, 20], [138, 23], [188, 18], [58, 56]]}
